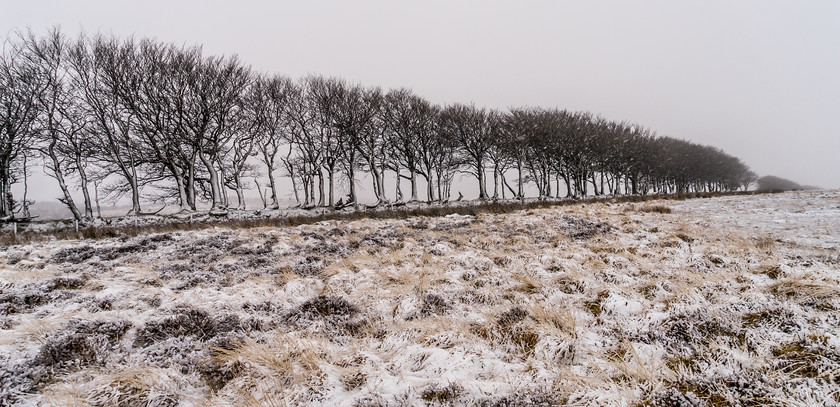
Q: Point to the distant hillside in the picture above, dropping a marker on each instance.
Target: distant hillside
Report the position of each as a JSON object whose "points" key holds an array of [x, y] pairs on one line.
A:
{"points": [[50, 210], [771, 183]]}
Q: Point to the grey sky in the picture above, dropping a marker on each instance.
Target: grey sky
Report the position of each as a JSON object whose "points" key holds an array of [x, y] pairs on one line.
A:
{"points": [[759, 79]]}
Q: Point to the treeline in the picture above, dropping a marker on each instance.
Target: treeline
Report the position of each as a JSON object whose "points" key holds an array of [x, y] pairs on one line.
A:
{"points": [[773, 183], [164, 123]]}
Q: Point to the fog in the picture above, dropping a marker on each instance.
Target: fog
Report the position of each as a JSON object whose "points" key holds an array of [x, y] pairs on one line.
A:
{"points": [[755, 78]]}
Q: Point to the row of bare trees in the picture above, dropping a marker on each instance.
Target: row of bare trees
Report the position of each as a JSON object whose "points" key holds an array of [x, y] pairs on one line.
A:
{"points": [[161, 123]]}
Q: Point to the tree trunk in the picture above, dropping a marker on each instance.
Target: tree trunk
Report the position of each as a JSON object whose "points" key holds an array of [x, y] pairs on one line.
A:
{"points": [[377, 193], [602, 183], [547, 184], [5, 190], [96, 195], [259, 191], [240, 193], [216, 206], [85, 193], [398, 191], [182, 192], [439, 187], [382, 183], [321, 188], [222, 189], [5, 198], [413, 184], [191, 185], [135, 191], [351, 172], [293, 177], [496, 181], [331, 175], [506, 185], [308, 188], [430, 186], [482, 187], [273, 185], [378, 184], [59, 176], [568, 183]]}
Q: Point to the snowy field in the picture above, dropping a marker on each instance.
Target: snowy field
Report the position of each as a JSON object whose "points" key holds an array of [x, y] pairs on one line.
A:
{"points": [[719, 301]]}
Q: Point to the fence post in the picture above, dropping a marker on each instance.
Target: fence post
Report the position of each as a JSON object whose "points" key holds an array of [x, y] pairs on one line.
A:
{"points": [[14, 228], [76, 222]]}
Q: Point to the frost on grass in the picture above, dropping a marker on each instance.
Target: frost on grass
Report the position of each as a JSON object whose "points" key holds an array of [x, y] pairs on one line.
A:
{"points": [[722, 301], [80, 344], [33, 295]]}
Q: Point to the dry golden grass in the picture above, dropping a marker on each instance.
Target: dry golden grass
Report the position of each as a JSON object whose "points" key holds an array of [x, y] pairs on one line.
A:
{"points": [[527, 284], [800, 287], [66, 395], [291, 359], [558, 319], [37, 330]]}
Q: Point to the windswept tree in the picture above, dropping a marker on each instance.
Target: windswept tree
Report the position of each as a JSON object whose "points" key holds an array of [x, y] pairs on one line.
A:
{"points": [[268, 101], [205, 100], [20, 87], [516, 129], [99, 66], [429, 144], [400, 118], [374, 149], [311, 127], [413, 129], [354, 108], [149, 91], [65, 141], [234, 159], [217, 87], [473, 128], [447, 161], [502, 154]]}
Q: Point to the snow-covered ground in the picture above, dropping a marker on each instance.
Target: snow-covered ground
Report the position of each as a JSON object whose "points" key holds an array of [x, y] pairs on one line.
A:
{"points": [[722, 301]]}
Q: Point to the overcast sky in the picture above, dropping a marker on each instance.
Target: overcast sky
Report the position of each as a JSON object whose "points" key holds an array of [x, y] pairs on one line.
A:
{"points": [[759, 79]]}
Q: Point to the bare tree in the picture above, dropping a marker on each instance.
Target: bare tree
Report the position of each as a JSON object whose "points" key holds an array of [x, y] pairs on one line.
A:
{"points": [[63, 122], [473, 128], [20, 86], [97, 66], [207, 113], [267, 101], [375, 150], [425, 129], [446, 159], [148, 91], [322, 93], [354, 110], [517, 128], [309, 125], [401, 135]]}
